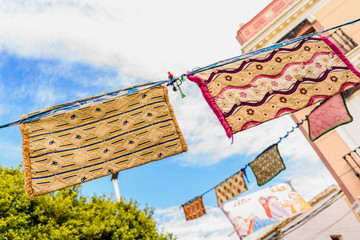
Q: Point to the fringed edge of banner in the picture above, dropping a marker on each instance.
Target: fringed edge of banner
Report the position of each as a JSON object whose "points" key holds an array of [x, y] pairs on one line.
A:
{"points": [[338, 52], [26, 159], [178, 130], [211, 102]]}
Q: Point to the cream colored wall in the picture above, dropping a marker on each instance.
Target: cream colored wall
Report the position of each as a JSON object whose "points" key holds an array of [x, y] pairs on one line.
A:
{"points": [[328, 13], [331, 147], [337, 12], [334, 148], [347, 227]]}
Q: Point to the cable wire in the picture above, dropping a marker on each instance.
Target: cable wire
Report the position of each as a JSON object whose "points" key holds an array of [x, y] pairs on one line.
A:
{"points": [[314, 213], [266, 49], [172, 80], [79, 103], [334, 223]]}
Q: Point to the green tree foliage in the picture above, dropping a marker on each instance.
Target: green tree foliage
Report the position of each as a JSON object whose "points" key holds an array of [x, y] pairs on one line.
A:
{"points": [[69, 215]]}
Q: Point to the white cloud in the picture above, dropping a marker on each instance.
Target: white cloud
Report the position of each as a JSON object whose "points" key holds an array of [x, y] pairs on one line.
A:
{"points": [[214, 225], [310, 183], [45, 96], [145, 43], [143, 40]]}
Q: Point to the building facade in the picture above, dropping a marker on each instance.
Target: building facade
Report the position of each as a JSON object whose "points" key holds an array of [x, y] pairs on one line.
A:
{"points": [[286, 19], [330, 219]]}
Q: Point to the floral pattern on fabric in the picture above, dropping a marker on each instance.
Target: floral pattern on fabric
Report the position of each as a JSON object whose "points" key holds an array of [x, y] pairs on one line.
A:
{"points": [[278, 82]]}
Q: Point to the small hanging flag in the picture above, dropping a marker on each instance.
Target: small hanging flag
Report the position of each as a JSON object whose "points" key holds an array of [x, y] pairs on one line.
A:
{"points": [[231, 188], [194, 209], [328, 116], [249, 92], [98, 139], [267, 165]]}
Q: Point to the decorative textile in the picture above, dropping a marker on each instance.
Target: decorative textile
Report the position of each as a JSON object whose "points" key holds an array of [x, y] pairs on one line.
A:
{"points": [[267, 165], [194, 209], [231, 188], [256, 210], [328, 116], [99, 139], [249, 92]]}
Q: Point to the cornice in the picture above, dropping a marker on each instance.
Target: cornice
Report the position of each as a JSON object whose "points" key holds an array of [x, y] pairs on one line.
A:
{"points": [[283, 23]]}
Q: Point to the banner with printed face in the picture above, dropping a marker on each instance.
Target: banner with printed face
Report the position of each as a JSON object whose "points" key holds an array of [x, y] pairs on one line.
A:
{"points": [[256, 210]]}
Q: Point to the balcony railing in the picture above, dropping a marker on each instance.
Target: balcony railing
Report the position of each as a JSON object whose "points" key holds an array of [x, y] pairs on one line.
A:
{"points": [[344, 41], [352, 159]]}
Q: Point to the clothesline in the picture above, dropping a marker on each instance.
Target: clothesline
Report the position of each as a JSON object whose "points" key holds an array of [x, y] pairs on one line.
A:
{"points": [[245, 167], [172, 81], [77, 104]]}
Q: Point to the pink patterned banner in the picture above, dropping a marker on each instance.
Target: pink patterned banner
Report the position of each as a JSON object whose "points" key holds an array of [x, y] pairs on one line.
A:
{"points": [[329, 115], [249, 92]]}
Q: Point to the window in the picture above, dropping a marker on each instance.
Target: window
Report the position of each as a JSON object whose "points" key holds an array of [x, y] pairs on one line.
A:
{"points": [[351, 132], [335, 237]]}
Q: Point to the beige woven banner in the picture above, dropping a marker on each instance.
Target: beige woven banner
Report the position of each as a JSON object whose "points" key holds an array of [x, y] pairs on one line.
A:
{"points": [[99, 139], [231, 188]]}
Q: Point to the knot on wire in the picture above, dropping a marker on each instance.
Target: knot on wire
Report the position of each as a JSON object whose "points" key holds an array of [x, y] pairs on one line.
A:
{"points": [[172, 81], [176, 82], [244, 172], [292, 130]]}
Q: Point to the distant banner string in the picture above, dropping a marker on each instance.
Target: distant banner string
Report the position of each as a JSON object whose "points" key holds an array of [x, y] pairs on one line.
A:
{"points": [[244, 168]]}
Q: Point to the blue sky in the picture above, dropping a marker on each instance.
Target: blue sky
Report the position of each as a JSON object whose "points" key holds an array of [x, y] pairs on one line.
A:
{"points": [[53, 52]]}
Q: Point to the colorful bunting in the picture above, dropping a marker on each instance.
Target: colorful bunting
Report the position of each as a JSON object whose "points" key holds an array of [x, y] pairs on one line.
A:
{"points": [[194, 209], [256, 210], [249, 92], [231, 188], [99, 139], [328, 116], [267, 165]]}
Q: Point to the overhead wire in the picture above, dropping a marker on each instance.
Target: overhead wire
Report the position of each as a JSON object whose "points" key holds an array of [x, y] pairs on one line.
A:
{"points": [[77, 104], [175, 80], [314, 213], [266, 49], [334, 223]]}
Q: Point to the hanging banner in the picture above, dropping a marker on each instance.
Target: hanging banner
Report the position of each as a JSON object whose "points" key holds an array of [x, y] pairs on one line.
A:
{"points": [[95, 140], [329, 115], [256, 210], [194, 209], [267, 165], [249, 92], [232, 187]]}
